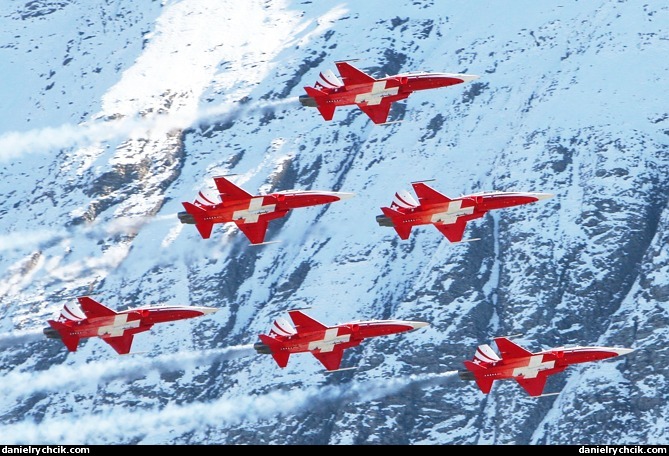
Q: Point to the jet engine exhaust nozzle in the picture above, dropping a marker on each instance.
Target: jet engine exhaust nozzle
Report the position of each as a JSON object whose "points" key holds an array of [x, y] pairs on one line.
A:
{"points": [[306, 100], [466, 375], [382, 220], [185, 217], [262, 348], [51, 333]]}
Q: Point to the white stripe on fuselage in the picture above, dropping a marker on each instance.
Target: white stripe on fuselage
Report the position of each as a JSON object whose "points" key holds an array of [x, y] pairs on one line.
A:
{"points": [[255, 210], [329, 340], [453, 211], [118, 327], [533, 367]]}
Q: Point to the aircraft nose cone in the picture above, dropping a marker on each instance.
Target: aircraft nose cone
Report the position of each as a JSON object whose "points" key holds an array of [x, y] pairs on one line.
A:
{"points": [[468, 77], [344, 195], [208, 310], [622, 351], [543, 196], [418, 324]]}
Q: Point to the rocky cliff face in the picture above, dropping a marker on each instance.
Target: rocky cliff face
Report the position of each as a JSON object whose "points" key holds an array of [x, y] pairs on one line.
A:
{"points": [[114, 115]]}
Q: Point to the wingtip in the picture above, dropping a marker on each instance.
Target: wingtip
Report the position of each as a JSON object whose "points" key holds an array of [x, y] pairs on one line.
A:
{"points": [[341, 369], [265, 243]]}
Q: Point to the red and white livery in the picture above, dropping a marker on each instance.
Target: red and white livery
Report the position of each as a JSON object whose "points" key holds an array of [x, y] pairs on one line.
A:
{"points": [[251, 213], [92, 319], [373, 96], [530, 370], [448, 215], [326, 343]]}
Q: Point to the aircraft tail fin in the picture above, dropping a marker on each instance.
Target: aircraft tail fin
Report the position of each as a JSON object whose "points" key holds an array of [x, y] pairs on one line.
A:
{"points": [[280, 356], [328, 80], [64, 334], [282, 327], [204, 227], [402, 229], [72, 312], [485, 355], [404, 200]]}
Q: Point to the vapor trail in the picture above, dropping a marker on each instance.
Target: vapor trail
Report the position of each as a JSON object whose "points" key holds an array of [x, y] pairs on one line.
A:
{"points": [[124, 426], [20, 337], [128, 367], [19, 240], [15, 144], [43, 238]]}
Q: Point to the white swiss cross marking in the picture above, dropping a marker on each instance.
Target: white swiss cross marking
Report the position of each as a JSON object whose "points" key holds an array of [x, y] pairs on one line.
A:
{"points": [[330, 339], [255, 210], [453, 211], [118, 327], [533, 367], [378, 91]]}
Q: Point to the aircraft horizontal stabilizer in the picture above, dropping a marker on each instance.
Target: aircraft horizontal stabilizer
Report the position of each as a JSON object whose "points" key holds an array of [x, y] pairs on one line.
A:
{"points": [[315, 93], [273, 347], [192, 209], [63, 333], [404, 231], [478, 375], [281, 358], [327, 111]]}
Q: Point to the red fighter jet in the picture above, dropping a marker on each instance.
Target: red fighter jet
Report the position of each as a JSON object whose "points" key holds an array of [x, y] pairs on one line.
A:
{"points": [[250, 213], [326, 343], [448, 215], [92, 319], [373, 96], [530, 370]]}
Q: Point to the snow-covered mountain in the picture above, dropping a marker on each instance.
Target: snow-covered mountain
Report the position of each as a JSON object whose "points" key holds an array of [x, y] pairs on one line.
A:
{"points": [[113, 113]]}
